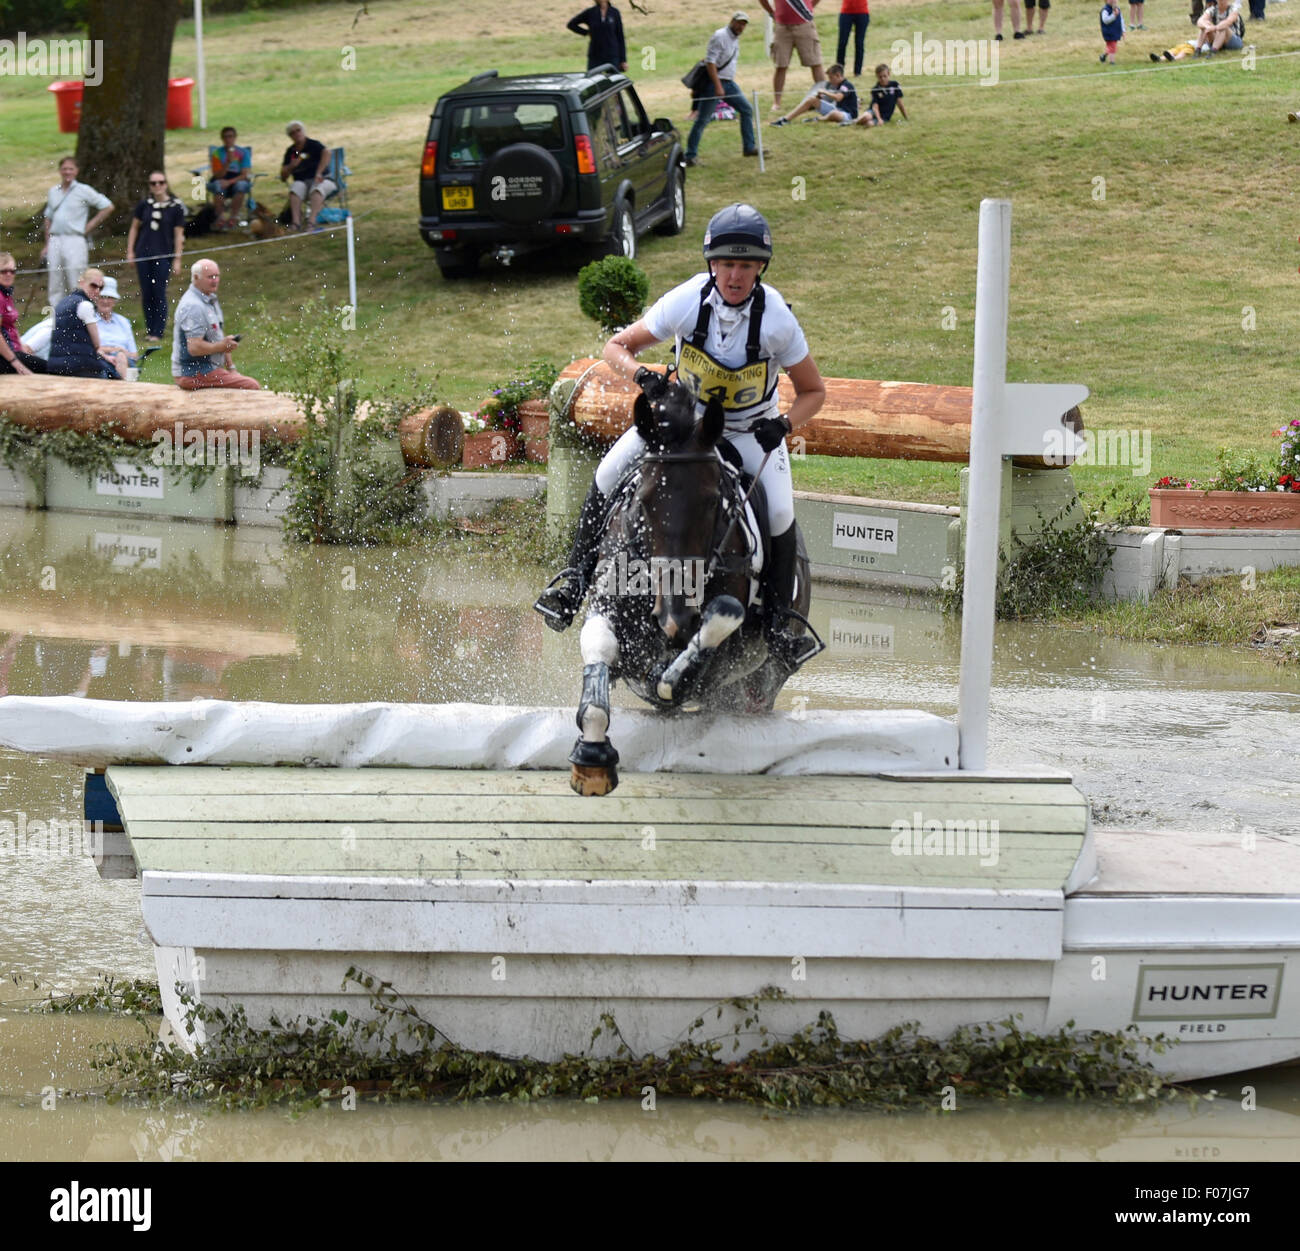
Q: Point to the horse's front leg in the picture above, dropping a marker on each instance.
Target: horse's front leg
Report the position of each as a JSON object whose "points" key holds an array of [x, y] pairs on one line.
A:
{"points": [[593, 757], [721, 618]]}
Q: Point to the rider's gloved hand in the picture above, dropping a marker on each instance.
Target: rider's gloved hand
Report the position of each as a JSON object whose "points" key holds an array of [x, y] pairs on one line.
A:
{"points": [[651, 382], [770, 431]]}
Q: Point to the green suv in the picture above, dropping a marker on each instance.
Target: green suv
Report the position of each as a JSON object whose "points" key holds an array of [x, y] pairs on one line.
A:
{"points": [[516, 164]]}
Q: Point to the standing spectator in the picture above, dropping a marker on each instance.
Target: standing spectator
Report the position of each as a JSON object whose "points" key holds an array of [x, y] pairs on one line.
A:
{"points": [[67, 208], [720, 60], [1043, 6], [1112, 29], [886, 96], [1015, 20], [603, 25], [1256, 10], [1135, 14], [200, 343], [116, 338], [855, 17], [157, 234], [74, 345], [15, 356], [794, 29], [305, 163], [231, 179]]}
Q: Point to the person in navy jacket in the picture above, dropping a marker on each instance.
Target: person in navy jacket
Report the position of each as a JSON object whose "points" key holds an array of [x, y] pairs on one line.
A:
{"points": [[603, 25]]}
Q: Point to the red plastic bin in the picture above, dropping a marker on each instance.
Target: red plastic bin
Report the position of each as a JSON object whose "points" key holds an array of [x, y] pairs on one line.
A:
{"points": [[179, 96], [67, 100]]}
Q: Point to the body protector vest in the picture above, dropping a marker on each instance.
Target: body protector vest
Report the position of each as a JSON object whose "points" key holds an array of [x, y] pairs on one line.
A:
{"points": [[745, 392]]}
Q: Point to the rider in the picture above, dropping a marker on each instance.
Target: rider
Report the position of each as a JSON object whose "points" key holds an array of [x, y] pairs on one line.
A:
{"points": [[733, 336]]}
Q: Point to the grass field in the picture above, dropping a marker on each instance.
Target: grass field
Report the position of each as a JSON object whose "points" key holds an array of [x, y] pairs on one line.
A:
{"points": [[1154, 235]]}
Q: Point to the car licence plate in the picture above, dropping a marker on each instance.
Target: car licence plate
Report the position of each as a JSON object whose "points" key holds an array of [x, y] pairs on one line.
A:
{"points": [[457, 198]]}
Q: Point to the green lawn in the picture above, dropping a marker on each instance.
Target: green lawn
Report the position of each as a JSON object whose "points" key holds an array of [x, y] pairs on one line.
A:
{"points": [[1141, 295]]}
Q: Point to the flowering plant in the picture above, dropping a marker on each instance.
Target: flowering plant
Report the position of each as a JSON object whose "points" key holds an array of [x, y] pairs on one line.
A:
{"points": [[474, 424], [1246, 471], [501, 410]]}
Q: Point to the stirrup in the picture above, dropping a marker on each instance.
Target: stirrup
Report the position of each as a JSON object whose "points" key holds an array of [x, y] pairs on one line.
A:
{"points": [[559, 604], [793, 650]]}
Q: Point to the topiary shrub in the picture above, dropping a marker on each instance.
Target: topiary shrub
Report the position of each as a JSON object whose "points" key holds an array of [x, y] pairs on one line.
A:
{"points": [[612, 291]]}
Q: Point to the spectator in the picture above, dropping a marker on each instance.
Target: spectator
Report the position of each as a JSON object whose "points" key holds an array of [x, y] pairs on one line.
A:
{"points": [[886, 96], [604, 27], [1112, 29], [1177, 53], [1220, 27], [795, 29], [74, 345], [835, 100], [157, 235], [855, 17], [1135, 14], [1015, 20], [116, 338], [201, 348], [720, 60], [231, 180], [305, 163], [16, 357], [67, 208], [1043, 6]]}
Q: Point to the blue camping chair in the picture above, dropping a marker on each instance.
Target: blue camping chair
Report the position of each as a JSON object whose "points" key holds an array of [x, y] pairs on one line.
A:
{"points": [[217, 166], [336, 208]]}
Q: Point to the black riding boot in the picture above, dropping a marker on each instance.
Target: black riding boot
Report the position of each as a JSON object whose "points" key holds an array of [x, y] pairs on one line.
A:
{"points": [[560, 602], [793, 649]]}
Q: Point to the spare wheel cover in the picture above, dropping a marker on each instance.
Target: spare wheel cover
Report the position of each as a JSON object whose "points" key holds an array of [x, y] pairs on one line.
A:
{"points": [[521, 183]]}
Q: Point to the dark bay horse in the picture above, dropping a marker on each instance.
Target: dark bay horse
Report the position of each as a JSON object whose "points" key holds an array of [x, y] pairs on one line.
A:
{"points": [[677, 601]]}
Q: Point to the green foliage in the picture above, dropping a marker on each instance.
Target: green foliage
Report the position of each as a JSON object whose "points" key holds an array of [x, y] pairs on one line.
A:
{"points": [[1242, 471], [397, 1054], [1060, 569], [131, 996], [612, 291], [37, 17]]}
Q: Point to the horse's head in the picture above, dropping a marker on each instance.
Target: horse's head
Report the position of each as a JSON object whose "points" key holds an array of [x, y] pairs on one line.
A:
{"points": [[675, 509]]}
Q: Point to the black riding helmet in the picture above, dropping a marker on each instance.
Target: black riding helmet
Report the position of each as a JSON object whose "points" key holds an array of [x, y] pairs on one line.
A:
{"points": [[738, 232]]}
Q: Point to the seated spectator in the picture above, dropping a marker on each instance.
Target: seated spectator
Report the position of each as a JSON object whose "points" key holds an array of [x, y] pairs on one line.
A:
{"points": [[201, 348], [305, 163], [232, 173], [37, 338], [1220, 27], [74, 345], [1177, 53], [886, 96], [16, 357], [836, 100], [116, 338]]}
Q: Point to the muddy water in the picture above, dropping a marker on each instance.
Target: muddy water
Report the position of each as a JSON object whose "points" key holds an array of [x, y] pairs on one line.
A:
{"points": [[1174, 738]]}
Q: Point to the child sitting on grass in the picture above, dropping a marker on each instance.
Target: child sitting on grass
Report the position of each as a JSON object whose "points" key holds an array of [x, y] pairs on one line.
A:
{"points": [[1112, 29], [886, 96]]}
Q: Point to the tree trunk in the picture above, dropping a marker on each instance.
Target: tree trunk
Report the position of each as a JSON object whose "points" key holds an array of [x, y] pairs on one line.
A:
{"points": [[123, 135]]}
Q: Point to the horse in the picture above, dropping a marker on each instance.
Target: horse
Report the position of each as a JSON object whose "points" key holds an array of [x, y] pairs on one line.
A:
{"points": [[677, 606]]}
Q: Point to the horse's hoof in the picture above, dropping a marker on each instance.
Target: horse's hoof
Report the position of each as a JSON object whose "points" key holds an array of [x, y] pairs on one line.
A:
{"points": [[593, 779]]}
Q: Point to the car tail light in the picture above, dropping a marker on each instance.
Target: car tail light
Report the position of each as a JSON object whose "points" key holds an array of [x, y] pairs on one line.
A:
{"points": [[430, 159], [563, 229], [443, 236], [582, 147]]}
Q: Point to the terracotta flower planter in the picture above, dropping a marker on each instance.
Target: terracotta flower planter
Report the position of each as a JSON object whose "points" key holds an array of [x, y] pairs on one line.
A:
{"points": [[490, 447], [535, 426], [1184, 509]]}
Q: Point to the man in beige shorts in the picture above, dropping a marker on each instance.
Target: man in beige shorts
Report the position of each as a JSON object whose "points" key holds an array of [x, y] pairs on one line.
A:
{"points": [[794, 30]]}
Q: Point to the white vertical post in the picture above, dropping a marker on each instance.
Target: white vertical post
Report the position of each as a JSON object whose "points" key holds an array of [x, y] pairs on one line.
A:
{"points": [[987, 439], [198, 42], [758, 136], [352, 266]]}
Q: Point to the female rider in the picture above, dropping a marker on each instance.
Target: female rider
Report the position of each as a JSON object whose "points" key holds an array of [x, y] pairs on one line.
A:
{"points": [[733, 336]]}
